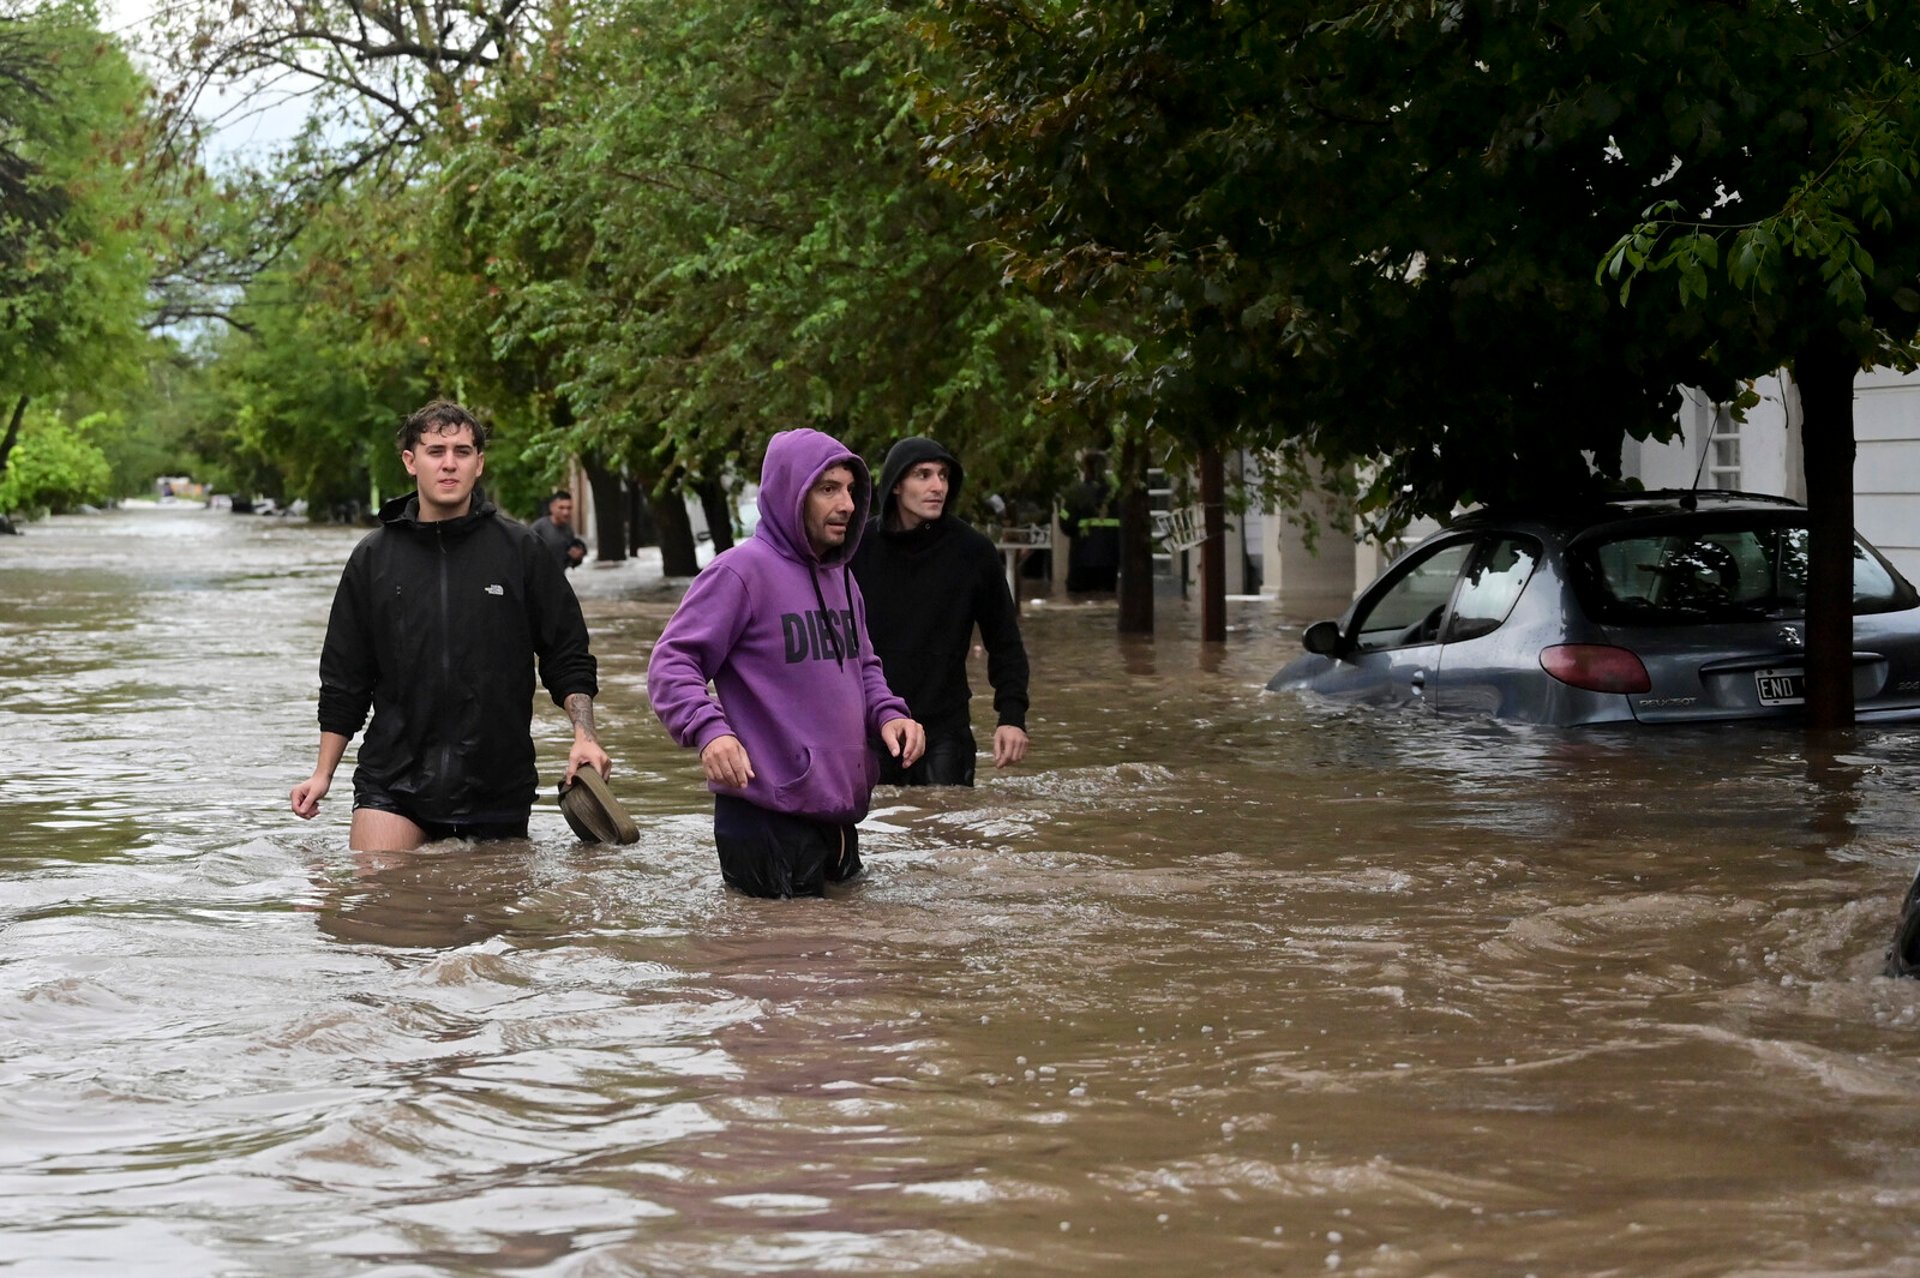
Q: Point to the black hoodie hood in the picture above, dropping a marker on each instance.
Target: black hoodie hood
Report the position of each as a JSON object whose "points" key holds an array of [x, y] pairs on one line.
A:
{"points": [[903, 457]]}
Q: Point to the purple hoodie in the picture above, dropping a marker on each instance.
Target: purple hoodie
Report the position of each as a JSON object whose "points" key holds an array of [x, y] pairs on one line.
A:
{"points": [[782, 633]]}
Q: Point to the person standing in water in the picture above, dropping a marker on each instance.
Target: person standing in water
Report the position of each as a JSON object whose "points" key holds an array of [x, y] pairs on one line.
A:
{"points": [[778, 625], [930, 578], [438, 621]]}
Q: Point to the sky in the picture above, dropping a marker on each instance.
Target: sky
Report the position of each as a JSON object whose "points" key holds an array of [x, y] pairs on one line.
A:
{"points": [[248, 124]]}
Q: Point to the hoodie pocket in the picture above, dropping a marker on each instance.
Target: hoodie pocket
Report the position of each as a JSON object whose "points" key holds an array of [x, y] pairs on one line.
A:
{"points": [[833, 781]]}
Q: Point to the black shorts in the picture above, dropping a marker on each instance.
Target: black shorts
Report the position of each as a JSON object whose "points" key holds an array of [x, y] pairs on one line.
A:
{"points": [[773, 854], [948, 760], [367, 794]]}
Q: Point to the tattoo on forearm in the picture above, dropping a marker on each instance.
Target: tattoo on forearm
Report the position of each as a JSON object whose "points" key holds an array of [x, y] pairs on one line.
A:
{"points": [[579, 707]]}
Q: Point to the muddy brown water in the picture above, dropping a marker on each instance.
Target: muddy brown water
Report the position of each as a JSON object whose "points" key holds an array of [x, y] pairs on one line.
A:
{"points": [[1221, 982]]}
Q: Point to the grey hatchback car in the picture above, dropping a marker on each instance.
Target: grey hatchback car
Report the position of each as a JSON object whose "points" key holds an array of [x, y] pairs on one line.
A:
{"points": [[1652, 607]]}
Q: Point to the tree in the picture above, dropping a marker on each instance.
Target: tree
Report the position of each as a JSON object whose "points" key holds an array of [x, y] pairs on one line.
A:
{"points": [[383, 85], [327, 365], [149, 428], [1788, 235], [336, 225], [718, 225], [1366, 232], [55, 466], [74, 246], [1334, 227]]}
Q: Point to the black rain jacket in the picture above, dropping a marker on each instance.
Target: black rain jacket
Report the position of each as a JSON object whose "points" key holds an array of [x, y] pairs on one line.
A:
{"points": [[926, 589], [436, 627]]}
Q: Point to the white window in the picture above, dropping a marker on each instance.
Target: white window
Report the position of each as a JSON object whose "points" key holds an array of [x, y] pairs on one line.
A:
{"points": [[1723, 449]]}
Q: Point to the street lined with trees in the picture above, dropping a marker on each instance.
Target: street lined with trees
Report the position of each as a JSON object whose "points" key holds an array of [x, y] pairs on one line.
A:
{"points": [[1458, 251]]}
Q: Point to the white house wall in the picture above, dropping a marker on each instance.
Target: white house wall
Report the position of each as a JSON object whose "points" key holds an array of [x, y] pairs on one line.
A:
{"points": [[1886, 468], [1886, 465], [1886, 424], [1318, 570], [1769, 446]]}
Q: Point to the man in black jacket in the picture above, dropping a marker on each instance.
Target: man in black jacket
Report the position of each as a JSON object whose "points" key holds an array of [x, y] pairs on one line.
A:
{"points": [[928, 579], [436, 625]]}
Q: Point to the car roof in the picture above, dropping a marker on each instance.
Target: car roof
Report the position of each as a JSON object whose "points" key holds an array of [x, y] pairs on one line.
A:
{"points": [[1583, 513]]}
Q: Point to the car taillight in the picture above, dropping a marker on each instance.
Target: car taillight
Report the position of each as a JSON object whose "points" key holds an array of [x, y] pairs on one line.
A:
{"points": [[1595, 667]]}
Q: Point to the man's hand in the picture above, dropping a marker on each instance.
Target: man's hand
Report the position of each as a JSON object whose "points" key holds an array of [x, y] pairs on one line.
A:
{"points": [[905, 739], [307, 795], [726, 762], [1009, 745], [586, 754]]}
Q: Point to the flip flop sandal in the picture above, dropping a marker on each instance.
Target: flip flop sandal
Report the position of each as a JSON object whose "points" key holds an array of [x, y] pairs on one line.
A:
{"points": [[595, 815]]}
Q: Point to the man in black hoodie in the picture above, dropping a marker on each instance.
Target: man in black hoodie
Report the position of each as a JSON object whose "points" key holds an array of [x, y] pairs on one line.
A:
{"points": [[928, 579], [438, 619]]}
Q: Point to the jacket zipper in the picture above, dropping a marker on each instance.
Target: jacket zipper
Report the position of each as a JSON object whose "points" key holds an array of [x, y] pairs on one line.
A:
{"points": [[446, 647]]}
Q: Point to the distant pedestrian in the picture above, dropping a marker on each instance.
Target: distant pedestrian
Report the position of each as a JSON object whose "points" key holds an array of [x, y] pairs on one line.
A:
{"points": [[778, 626], [1093, 560], [555, 528], [930, 579], [439, 619]]}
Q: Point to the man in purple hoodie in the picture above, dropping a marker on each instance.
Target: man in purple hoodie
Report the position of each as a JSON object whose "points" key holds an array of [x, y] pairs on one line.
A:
{"points": [[779, 627]]}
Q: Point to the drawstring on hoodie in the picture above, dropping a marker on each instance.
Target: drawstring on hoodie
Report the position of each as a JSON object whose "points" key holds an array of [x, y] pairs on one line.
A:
{"points": [[826, 618]]}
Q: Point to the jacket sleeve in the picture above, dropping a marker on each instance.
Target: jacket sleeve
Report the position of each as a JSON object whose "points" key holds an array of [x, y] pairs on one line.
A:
{"points": [[999, 621], [712, 616], [349, 666], [560, 641], [882, 705]]}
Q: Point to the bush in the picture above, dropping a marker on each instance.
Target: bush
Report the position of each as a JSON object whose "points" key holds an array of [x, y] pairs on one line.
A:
{"points": [[54, 466]]}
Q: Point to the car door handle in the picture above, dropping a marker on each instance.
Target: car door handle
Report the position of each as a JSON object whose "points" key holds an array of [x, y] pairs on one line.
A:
{"points": [[1419, 681]]}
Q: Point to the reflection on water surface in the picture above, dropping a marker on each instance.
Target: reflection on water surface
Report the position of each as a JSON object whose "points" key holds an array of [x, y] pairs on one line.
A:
{"points": [[1223, 982]]}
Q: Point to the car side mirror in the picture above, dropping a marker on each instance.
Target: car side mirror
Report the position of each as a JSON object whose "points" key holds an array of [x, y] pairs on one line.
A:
{"points": [[1323, 639]]}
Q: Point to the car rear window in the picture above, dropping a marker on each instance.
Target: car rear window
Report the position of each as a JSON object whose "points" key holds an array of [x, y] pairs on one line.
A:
{"points": [[1720, 572]]}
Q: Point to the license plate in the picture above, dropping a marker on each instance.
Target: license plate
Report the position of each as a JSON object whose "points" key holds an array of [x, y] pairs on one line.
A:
{"points": [[1781, 687]]}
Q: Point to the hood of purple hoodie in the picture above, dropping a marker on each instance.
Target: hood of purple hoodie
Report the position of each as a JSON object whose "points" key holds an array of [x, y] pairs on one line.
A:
{"points": [[795, 460]]}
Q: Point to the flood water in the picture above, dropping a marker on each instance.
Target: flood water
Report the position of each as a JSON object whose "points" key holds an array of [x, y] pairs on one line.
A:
{"points": [[1221, 982]]}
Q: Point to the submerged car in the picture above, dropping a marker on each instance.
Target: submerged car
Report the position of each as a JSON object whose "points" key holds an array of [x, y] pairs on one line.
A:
{"points": [[1652, 607]]}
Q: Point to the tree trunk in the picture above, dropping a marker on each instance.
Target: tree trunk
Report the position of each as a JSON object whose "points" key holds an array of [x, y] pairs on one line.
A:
{"points": [[1213, 551], [1136, 542], [609, 512], [13, 432], [1825, 378], [640, 529], [719, 512], [678, 556]]}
